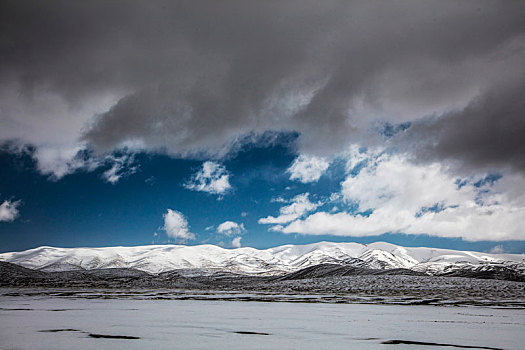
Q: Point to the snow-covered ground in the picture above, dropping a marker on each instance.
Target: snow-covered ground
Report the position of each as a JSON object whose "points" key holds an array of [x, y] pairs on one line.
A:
{"points": [[45, 322]]}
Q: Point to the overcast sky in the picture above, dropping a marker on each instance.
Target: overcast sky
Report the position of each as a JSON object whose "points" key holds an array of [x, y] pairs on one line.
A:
{"points": [[262, 122]]}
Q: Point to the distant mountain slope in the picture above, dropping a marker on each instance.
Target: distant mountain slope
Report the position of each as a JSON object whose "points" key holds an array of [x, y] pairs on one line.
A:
{"points": [[334, 270], [9, 271], [274, 261]]}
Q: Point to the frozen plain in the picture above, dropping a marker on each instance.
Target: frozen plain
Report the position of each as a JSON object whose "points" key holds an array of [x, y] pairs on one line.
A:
{"points": [[41, 321]]}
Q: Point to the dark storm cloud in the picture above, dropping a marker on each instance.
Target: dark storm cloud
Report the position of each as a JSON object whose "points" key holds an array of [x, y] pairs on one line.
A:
{"points": [[488, 133], [193, 76]]}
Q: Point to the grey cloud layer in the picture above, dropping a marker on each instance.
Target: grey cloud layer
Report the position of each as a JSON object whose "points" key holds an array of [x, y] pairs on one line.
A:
{"points": [[489, 132], [190, 77]]}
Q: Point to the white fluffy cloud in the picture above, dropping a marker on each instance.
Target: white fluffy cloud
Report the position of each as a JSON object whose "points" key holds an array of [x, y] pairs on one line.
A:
{"points": [[59, 161], [231, 228], [391, 181], [176, 225], [212, 178], [9, 211], [236, 242], [421, 199], [300, 206], [307, 168]]}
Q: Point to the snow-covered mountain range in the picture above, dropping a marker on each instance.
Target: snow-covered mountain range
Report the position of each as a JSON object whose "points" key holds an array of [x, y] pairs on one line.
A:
{"points": [[273, 261]]}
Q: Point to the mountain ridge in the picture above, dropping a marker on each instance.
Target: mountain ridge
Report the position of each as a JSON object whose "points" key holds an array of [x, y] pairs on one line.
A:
{"points": [[279, 260]]}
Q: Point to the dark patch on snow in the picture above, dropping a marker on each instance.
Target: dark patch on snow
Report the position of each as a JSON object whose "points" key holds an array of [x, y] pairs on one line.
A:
{"points": [[108, 336], [252, 333], [65, 294], [411, 342], [60, 330], [61, 310], [424, 302]]}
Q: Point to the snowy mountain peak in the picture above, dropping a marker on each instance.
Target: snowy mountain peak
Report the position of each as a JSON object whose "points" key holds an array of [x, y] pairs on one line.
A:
{"points": [[282, 259]]}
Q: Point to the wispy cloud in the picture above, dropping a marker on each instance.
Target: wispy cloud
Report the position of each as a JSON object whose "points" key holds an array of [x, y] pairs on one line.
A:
{"points": [[57, 162], [278, 199], [120, 166], [300, 206], [497, 249]]}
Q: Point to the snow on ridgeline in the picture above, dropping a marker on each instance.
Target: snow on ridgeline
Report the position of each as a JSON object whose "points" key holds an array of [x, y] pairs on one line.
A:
{"points": [[282, 259]]}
